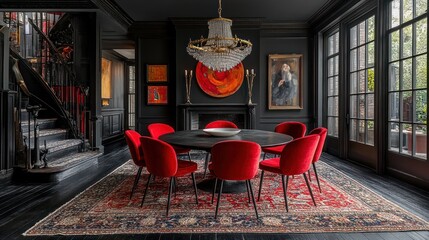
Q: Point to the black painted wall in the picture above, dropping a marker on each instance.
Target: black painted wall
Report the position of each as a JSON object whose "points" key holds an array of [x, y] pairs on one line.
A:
{"points": [[165, 43]]}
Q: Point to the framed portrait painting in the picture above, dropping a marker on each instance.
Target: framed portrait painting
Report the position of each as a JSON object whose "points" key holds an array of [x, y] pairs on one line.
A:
{"points": [[157, 95], [285, 79], [156, 73]]}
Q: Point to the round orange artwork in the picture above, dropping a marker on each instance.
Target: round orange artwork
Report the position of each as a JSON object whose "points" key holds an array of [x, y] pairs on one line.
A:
{"points": [[219, 84]]}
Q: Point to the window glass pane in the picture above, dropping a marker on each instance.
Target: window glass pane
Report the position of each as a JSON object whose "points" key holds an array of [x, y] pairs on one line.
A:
{"points": [[421, 36], [362, 81], [361, 131], [353, 60], [407, 9], [370, 54], [407, 41], [421, 71], [353, 106], [353, 82], [407, 74], [336, 42], [421, 7], [394, 76], [362, 62], [421, 106], [361, 110], [395, 12], [371, 80], [371, 29], [330, 45], [353, 130], [370, 132], [353, 37], [330, 67], [333, 126], [394, 137], [330, 86], [406, 139], [336, 67], [420, 141], [370, 106], [407, 106], [336, 85], [394, 46], [394, 106], [362, 33]]}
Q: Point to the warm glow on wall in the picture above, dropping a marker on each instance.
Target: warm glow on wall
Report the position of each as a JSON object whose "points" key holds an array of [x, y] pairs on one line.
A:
{"points": [[106, 79]]}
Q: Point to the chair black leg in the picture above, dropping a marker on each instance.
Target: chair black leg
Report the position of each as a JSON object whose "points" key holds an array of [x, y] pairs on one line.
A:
{"points": [[248, 193], [195, 187], [309, 188], [145, 191], [285, 190], [260, 185], [206, 164], [189, 156], [175, 186], [317, 177], [169, 194], [218, 197], [136, 181], [214, 189], [263, 158], [253, 198], [309, 174]]}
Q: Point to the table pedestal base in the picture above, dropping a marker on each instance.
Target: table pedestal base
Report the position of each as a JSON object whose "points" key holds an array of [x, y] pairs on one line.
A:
{"points": [[228, 186]]}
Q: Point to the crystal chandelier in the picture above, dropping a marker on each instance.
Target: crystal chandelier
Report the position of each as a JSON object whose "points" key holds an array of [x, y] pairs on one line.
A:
{"points": [[219, 51]]}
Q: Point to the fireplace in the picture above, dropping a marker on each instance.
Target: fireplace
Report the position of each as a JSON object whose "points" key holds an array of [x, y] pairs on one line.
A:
{"points": [[196, 116]]}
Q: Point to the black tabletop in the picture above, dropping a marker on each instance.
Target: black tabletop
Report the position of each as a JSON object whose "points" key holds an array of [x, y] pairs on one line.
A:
{"points": [[197, 139]]}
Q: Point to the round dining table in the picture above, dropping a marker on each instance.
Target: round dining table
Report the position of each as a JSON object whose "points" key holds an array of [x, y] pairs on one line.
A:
{"points": [[199, 140]]}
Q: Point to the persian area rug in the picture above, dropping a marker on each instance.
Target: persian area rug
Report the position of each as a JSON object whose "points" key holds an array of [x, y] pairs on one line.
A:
{"points": [[343, 206]]}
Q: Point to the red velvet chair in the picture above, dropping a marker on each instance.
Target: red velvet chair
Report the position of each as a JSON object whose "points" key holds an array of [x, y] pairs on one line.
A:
{"points": [[295, 159], [216, 124], [161, 161], [235, 160], [221, 124], [158, 129], [294, 129], [133, 140], [322, 132]]}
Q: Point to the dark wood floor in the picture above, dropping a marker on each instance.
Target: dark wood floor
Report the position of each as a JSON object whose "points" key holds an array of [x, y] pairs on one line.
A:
{"points": [[22, 205]]}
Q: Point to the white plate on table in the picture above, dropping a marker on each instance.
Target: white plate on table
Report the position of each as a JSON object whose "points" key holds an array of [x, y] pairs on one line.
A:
{"points": [[221, 132]]}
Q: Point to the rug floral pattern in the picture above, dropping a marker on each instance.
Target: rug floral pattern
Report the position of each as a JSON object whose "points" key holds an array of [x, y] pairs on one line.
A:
{"points": [[344, 205]]}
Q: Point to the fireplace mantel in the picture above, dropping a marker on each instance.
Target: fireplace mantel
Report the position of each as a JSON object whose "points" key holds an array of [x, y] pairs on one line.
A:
{"points": [[190, 114]]}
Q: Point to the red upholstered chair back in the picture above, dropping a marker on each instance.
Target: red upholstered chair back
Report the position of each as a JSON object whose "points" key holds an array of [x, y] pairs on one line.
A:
{"points": [[297, 155], [160, 157], [322, 132], [221, 124], [133, 140], [294, 129], [235, 160], [158, 129]]}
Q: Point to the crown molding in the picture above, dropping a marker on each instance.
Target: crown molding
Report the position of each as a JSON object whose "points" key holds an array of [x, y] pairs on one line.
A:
{"points": [[112, 9]]}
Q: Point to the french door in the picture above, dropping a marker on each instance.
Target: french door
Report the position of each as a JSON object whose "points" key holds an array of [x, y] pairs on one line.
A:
{"points": [[361, 84]]}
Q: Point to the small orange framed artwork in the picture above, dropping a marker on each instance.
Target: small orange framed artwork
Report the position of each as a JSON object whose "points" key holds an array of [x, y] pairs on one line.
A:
{"points": [[157, 95], [156, 73]]}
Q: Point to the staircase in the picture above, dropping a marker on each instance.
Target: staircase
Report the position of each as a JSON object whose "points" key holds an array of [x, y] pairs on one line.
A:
{"points": [[60, 157], [52, 123]]}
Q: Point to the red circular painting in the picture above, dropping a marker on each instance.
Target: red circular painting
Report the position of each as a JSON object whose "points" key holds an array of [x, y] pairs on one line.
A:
{"points": [[219, 84]]}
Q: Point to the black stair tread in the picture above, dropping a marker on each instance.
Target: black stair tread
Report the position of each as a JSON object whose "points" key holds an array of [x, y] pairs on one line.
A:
{"points": [[67, 162], [54, 146], [47, 132], [40, 121]]}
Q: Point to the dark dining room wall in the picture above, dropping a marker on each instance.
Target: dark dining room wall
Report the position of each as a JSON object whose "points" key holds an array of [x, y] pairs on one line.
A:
{"points": [[165, 43]]}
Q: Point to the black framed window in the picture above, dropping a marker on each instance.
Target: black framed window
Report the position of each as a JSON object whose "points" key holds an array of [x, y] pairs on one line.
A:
{"points": [[131, 97], [332, 79]]}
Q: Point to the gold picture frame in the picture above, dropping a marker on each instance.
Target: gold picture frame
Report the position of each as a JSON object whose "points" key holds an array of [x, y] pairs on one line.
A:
{"points": [[285, 81]]}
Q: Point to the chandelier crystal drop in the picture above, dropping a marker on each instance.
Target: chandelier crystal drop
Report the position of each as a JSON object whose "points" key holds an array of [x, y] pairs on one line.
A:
{"points": [[220, 51]]}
